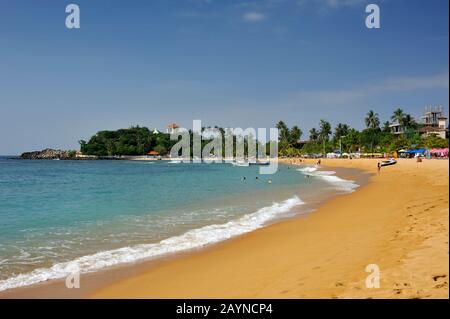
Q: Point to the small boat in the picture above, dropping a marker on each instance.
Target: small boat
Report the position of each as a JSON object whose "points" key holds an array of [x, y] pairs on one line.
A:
{"points": [[243, 163], [388, 162], [239, 163], [260, 163]]}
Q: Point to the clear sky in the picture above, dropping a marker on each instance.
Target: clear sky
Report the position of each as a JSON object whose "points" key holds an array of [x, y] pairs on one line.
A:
{"points": [[226, 62]]}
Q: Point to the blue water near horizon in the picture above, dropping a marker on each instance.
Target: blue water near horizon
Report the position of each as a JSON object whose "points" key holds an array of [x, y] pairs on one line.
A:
{"points": [[103, 213]]}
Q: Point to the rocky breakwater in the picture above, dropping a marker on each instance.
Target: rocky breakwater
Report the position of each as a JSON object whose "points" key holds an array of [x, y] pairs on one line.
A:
{"points": [[48, 154]]}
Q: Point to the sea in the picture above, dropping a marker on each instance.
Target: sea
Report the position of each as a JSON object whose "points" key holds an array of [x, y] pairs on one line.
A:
{"points": [[58, 216]]}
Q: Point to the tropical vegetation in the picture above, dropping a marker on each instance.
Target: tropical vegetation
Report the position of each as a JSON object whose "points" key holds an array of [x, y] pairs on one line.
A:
{"points": [[374, 138]]}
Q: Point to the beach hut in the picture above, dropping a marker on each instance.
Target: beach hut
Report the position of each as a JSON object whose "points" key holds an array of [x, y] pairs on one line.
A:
{"points": [[153, 153]]}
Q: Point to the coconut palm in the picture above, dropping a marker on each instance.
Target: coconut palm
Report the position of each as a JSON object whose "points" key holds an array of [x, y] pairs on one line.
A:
{"points": [[324, 133], [284, 131], [325, 130], [373, 123], [372, 120], [341, 130], [313, 135], [408, 121], [398, 115], [295, 134]]}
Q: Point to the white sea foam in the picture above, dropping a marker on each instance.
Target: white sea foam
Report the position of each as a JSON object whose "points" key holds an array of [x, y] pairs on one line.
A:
{"points": [[307, 169], [330, 177], [192, 239]]}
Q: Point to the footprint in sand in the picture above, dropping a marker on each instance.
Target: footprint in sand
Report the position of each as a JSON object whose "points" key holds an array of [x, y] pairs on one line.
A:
{"points": [[437, 277]]}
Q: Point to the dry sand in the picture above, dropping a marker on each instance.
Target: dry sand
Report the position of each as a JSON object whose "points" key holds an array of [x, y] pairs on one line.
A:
{"points": [[398, 221]]}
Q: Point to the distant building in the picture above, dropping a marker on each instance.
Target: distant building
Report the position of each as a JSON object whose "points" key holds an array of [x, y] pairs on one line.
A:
{"points": [[396, 128], [155, 131], [434, 122], [172, 127]]}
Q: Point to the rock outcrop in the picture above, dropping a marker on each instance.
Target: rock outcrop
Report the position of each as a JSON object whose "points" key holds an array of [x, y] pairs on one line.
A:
{"points": [[48, 154]]}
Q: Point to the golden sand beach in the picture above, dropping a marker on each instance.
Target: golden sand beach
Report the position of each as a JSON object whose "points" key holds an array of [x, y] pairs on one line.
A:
{"points": [[398, 221]]}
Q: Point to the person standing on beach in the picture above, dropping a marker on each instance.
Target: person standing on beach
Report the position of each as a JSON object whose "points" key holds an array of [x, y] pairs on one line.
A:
{"points": [[379, 166]]}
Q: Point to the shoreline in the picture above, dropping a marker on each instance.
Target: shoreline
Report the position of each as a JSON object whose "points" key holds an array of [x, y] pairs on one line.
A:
{"points": [[96, 279], [246, 267]]}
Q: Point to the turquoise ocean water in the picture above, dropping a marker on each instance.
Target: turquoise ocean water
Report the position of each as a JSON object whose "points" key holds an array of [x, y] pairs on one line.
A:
{"points": [[57, 215]]}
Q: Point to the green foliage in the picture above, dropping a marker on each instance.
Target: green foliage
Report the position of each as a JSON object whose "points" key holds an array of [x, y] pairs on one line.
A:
{"points": [[133, 141], [351, 142], [72, 154], [140, 140], [313, 134], [372, 120], [325, 130], [434, 141], [160, 149], [288, 139], [312, 147]]}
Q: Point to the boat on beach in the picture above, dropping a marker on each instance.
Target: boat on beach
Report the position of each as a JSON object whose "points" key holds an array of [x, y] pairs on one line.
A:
{"points": [[388, 162]]}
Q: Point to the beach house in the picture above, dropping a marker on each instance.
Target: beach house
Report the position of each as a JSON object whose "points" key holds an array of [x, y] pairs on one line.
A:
{"points": [[434, 122], [397, 128]]}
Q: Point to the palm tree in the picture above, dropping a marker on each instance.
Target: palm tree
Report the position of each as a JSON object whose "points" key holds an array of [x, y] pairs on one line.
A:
{"points": [[284, 131], [372, 120], [341, 130], [409, 125], [386, 126], [313, 135], [408, 121], [294, 135], [373, 123], [325, 131], [398, 115]]}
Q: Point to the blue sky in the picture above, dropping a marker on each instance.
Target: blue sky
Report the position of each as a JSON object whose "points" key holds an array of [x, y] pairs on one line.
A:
{"points": [[227, 62]]}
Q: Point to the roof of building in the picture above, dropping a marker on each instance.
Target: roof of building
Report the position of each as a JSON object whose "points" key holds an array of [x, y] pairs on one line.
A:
{"points": [[394, 123], [429, 129]]}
